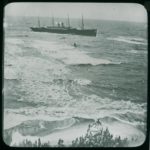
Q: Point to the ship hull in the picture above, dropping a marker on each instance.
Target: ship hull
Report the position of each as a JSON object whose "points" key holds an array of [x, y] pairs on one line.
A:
{"points": [[85, 32], [74, 31]]}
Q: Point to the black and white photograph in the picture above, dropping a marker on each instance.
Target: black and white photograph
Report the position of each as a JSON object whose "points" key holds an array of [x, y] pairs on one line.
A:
{"points": [[75, 74]]}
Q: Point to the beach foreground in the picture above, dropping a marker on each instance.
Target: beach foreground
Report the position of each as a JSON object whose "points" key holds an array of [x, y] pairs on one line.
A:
{"points": [[52, 131]]}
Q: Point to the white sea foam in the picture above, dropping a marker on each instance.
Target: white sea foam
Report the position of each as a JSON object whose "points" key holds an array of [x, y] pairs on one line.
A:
{"points": [[34, 68], [56, 52], [89, 106], [53, 138], [15, 117], [82, 81], [67, 54], [137, 51], [49, 94], [75, 58], [11, 50], [10, 73], [37, 76], [131, 40], [14, 41], [116, 128], [50, 45]]}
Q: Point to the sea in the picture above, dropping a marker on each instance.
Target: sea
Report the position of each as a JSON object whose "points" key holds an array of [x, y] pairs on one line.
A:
{"points": [[48, 80]]}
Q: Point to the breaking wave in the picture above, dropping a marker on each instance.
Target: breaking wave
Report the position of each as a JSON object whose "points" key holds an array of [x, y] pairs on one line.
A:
{"points": [[45, 129], [137, 51], [97, 64], [131, 40], [50, 92]]}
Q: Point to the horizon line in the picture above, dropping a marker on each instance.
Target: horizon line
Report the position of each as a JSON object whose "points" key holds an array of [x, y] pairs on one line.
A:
{"points": [[78, 18]]}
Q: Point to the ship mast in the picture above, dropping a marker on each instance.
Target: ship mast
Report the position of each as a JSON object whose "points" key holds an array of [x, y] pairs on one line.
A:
{"points": [[68, 22], [82, 25], [38, 22], [53, 21]]}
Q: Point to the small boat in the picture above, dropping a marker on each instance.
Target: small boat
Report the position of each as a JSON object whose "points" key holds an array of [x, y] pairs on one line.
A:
{"points": [[61, 29]]}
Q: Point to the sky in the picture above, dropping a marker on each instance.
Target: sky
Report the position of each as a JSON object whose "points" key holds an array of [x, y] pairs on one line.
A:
{"points": [[105, 11]]}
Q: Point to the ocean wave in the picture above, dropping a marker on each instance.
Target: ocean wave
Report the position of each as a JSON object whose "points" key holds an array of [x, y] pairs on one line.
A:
{"points": [[98, 64], [124, 119], [76, 126], [124, 129], [18, 35], [43, 113], [22, 35], [43, 127], [85, 59], [87, 46], [131, 40], [132, 118], [12, 51], [10, 73], [137, 51], [39, 127], [67, 54], [109, 119], [51, 129], [72, 82], [14, 41], [48, 46], [82, 81], [88, 106], [62, 37], [38, 68], [71, 131]]}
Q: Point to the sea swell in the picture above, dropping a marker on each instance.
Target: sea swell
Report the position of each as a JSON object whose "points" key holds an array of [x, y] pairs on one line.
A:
{"points": [[97, 64], [54, 90], [130, 40]]}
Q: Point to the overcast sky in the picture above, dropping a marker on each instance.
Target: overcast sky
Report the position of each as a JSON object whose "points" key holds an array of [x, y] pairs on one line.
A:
{"points": [[107, 11]]}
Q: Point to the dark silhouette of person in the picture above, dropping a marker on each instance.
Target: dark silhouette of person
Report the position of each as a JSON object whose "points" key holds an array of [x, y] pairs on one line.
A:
{"points": [[75, 45]]}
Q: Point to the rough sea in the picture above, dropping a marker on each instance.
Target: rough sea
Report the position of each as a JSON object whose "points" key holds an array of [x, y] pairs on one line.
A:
{"points": [[47, 79]]}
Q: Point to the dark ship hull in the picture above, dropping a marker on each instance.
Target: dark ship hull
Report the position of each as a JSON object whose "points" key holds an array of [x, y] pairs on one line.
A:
{"points": [[63, 30]]}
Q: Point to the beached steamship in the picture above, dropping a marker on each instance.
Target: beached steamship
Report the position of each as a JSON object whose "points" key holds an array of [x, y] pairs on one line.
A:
{"points": [[62, 29]]}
